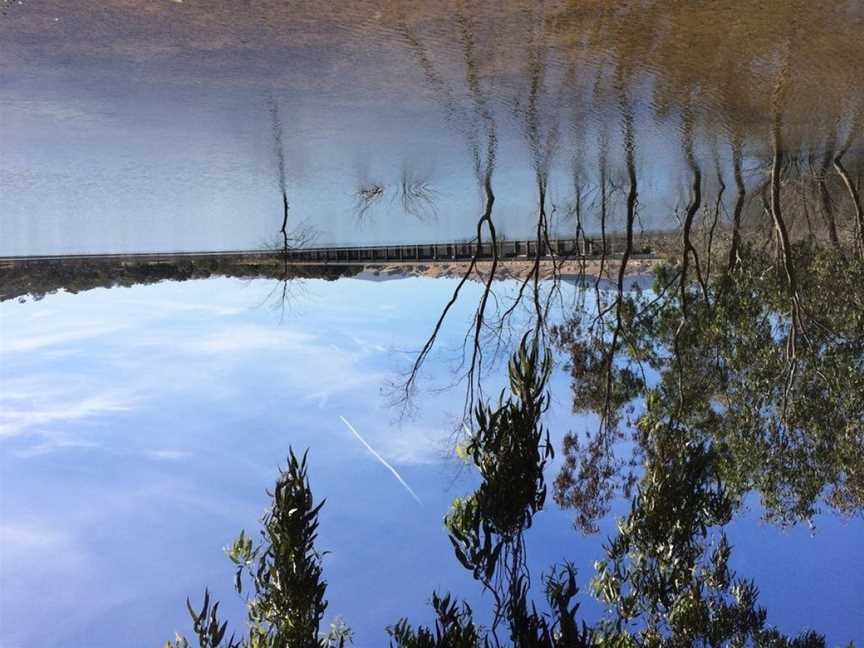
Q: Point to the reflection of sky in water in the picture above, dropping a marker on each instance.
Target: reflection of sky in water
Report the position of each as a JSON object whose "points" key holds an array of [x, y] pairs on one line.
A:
{"points": [[121, 168], [140, 428], [167, 146]]}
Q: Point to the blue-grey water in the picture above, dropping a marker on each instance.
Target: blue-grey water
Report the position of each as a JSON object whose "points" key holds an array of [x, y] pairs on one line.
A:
{"points": [[142, 424]]}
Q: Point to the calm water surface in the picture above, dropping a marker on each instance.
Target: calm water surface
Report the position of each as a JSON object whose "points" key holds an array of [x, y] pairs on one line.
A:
{"points": [[706, 380], [129, 128]]}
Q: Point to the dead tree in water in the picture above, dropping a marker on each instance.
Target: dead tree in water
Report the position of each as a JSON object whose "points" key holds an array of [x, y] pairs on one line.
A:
{"points": [[734, 257], [279, 157], [692, 210], [824, 193], [477, 124], [856, 202]]}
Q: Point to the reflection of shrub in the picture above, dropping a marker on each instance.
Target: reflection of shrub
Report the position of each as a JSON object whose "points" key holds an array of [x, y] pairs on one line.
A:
{"points": [[663, 580], [367, 196], [287, 601], [510, 450], [417, 196]]}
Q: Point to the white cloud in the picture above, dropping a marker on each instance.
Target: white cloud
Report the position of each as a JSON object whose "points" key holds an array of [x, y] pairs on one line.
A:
{"points": [[250, 338], [52, 444], [42, 411], [167, 455], [19, 540], [414, 445], [166, 307], [81, 331]]}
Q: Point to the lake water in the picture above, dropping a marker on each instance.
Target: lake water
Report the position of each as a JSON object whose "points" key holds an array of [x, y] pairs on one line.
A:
{"points": [[706, 379]]}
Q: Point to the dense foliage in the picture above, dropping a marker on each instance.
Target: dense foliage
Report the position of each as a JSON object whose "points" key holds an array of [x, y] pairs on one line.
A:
{"points": [[780, 398]]}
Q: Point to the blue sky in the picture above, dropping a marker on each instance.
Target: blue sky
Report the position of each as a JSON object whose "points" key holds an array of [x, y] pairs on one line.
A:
{"points": [[140, 427]]}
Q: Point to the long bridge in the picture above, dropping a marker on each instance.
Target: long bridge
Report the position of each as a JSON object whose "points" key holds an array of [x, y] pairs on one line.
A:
{"points": [[40, 275], [456, 251], [373, 254]]}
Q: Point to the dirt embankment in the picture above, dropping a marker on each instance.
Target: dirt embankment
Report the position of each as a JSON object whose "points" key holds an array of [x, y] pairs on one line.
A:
{"points": [[510, 269]]}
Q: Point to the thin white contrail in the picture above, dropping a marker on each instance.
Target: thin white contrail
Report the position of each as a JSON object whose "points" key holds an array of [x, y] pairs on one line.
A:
{"points": [[382, 460]]}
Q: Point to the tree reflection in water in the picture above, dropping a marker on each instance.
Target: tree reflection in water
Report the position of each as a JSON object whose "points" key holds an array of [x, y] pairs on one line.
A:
{"points": [[741, 371], [665, 576], [747, 378]]}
